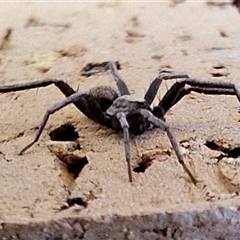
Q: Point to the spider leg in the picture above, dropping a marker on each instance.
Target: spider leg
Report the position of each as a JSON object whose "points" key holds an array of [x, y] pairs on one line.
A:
{"points": [[64, 87], [86, 102], [125, 126], [165, 127], [49, 112], [217, 87], [179, 90], [122, 87], [154, 86]]}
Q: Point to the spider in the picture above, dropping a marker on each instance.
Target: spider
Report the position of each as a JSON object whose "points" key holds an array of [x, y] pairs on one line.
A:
{"points": [[122, 111]]}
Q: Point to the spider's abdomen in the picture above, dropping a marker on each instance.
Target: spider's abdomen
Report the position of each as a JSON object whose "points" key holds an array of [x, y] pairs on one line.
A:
{"points": [[127, 104], [104, 95]]}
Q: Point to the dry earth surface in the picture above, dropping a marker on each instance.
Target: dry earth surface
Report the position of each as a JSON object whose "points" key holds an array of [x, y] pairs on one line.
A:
{"points": [[40, 200]]}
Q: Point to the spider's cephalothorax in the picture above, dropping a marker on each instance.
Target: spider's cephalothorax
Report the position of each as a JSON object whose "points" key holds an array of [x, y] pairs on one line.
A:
{"points": [[127, 104], [130, 106], [122, 111]]}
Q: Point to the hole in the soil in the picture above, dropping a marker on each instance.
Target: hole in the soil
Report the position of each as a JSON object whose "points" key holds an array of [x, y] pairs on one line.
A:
{"points": [[218, 75], [77, 201], [20, 134], [234, 153], [231, 152], [66, 132], [143, 165], [218, 67], [212, 145], [72, 201], [74, 164]]}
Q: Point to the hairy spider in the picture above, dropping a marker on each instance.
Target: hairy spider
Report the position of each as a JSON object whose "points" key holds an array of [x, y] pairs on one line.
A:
{"points": [[122, 111]]}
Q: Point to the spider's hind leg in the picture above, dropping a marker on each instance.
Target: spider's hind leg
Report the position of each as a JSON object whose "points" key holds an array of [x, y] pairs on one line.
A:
{"points": [[179, 90]]}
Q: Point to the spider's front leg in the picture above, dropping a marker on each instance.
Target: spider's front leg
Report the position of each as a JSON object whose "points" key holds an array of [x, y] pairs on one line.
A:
{"points": [[158, 123], [125, 126], [165, 127], [51, 110], [87, 104]]}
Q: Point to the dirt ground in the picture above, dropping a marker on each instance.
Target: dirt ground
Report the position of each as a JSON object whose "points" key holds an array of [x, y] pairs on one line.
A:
{"points": [[56, 40]]}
